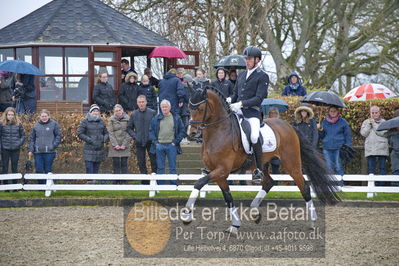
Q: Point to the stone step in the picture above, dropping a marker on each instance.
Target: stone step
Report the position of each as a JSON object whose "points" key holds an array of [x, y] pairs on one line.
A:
{"points": [[191, 148], [189, 163], [189, 156]]}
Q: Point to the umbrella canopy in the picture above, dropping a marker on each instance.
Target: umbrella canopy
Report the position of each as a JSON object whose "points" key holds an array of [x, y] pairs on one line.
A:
{"points": [[389, 124], [369, 91], [236, 61], [268, 103], [18, 66], [167, 52], [326, 98]]}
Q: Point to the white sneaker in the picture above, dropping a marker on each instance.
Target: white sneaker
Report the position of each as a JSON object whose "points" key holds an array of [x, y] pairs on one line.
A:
{"points": [[185, 141]]}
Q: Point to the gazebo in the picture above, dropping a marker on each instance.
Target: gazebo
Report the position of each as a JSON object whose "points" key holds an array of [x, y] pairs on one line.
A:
{"points": [[73, 40]]}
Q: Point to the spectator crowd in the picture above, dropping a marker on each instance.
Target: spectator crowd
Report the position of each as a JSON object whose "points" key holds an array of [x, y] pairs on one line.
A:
{"points": [[153, 115]]}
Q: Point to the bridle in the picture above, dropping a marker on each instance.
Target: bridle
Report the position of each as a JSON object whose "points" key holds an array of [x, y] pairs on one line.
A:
{"points": [[200, 124]]}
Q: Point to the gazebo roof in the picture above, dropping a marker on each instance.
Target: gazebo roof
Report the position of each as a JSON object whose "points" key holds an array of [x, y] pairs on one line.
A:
{"points": [[79, 22]]}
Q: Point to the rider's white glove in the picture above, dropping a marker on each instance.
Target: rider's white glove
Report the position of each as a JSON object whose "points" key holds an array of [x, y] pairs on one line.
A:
{"points": [[228, 100], [236, 106]]}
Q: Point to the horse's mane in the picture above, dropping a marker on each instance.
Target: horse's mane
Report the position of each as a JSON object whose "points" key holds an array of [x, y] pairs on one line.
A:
{"points": [[221, 98]]}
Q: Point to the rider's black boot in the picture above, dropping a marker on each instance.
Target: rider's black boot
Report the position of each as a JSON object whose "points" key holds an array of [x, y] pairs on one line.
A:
{"points": [[257, 175]]}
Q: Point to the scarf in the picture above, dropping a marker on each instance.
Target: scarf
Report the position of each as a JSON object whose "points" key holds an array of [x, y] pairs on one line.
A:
{"points": [[294, 86], [334, 119]]}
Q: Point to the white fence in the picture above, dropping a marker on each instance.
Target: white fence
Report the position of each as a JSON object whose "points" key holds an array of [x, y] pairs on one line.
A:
{"points": [[153, 187]]}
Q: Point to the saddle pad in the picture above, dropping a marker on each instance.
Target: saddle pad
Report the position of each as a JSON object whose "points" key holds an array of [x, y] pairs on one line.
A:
{"points": [[269, 138]]}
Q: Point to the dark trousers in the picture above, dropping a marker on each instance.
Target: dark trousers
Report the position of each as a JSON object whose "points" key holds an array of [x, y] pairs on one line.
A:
{"points": [[92, 167], [6, 156], [141, 160], [44, 164], [377, 163], [186, 120], [120, 165]]}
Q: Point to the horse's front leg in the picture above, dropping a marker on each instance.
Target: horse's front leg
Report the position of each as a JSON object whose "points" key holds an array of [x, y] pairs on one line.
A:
{"points": [[187, 213], [235, 217]]}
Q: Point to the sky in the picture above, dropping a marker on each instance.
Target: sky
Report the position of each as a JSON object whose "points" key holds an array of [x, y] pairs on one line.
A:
{"points": [[12, 10]]}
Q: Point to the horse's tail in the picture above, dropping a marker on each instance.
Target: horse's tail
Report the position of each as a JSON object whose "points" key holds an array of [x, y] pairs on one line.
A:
{"points": [[318, 173]]}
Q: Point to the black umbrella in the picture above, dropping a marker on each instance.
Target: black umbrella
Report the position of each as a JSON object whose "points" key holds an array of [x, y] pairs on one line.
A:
{"points": [[323, 98], [236, 61], [389, 124]]}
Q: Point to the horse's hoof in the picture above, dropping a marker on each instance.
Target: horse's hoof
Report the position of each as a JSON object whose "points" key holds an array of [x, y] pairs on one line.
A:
{"points": [[312, 224], [258, 218], [232, 230], [186, 216], [186, 222]]}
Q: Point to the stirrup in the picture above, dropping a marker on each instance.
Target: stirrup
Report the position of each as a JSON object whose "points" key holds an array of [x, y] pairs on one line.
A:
{"points": [[257, 175]]}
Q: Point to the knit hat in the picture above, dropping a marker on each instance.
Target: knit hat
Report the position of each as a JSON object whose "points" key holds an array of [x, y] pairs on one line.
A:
{"points": [[187, 78], [93, 107]]}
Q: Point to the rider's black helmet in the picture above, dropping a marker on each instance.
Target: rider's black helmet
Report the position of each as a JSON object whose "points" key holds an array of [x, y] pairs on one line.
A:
{"points": [[252, 51]]}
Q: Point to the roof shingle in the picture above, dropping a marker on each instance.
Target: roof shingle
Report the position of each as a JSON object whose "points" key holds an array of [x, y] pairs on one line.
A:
{"points": [[77, 21]]}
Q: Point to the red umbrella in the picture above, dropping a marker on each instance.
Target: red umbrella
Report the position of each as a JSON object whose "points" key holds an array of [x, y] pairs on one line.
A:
{"points": [[369, 91], [167, 52]]}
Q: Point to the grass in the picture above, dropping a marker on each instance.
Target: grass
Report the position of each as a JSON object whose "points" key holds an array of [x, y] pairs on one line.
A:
{"points": [[184, 194]]}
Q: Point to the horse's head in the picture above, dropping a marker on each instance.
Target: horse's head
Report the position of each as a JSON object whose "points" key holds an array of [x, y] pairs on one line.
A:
{"points": [[198, 104]]}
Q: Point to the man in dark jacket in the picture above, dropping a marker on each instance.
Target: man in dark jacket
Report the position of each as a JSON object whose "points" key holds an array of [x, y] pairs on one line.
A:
{"points": [[93, 132], [222, 84], [249, 92], [125, 69], [294, 87], [139, 129], [171, 89], [128, 92], [166, 133]]}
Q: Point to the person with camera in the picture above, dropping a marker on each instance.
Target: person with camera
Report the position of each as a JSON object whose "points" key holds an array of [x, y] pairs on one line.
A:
{"points": [[25, 94], [6, 90]]}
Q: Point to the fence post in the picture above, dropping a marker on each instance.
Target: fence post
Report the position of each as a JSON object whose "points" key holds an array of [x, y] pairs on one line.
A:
{"points": [[370, 184], [49, 183], [153, 184]]}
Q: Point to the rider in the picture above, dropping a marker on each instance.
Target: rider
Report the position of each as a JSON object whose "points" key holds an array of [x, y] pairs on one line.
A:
{"points": [[249, 91]]}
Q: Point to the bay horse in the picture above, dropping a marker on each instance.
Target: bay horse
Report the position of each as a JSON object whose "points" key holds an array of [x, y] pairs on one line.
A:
{"points": [[222, 154]]}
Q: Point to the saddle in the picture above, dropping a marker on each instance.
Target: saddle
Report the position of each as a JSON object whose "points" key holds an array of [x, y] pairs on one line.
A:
{"points": [[267, 136]]}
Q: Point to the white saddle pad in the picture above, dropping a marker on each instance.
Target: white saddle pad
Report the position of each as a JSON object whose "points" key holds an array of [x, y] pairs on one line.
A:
{"points": [[269, 138]]}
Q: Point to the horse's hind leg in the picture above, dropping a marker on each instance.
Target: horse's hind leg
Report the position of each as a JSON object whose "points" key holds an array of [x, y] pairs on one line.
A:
{"points": [[304, 187], [187, 213], [267, 184]]}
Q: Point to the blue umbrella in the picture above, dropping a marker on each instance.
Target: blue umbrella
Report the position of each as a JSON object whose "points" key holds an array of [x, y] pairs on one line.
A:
{"points": [[232, 61], [18, 66], [280, 104]]}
